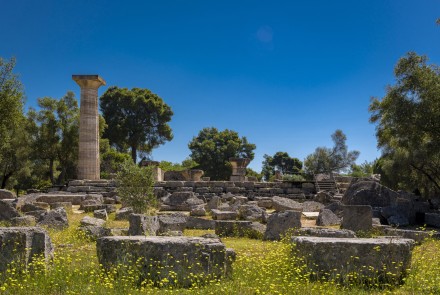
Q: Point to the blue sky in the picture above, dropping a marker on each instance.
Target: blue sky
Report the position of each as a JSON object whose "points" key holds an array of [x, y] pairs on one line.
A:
{"points": [[285, 74]]}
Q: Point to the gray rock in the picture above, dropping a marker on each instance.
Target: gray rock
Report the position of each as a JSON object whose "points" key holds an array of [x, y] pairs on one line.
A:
{"points": [[27, 207], [283, 204], [326, 217], [280, 223], [223, 215], [265, 202], [432, 219], [171, 223], [324, 232], [182, 201], [123, 213], [56, 218], [22, 245], [5, 194], [199, 223], [336, 207], [141, 225], [369, 193], [75, 199], [65, 205], [371, 259], [178, 259], [401, 212], [232, 228], [26, 220], [37, 213], [101, 214], [323, 197], [357, 218], [416, 235], [198, 211], [7, 212], [214, 203], [312, 206], [91, 221], [95, 232], [398, 220], [252, 213]]}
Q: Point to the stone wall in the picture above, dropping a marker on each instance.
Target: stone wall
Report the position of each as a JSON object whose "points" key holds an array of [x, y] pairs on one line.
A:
{"points": [[207, 189]]}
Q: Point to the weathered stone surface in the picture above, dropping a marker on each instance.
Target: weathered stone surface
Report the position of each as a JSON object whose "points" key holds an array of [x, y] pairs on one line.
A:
{"points": [[417, 235], [65, 205], [182, 201], [199, 223], [164, 257], [26, 207], [7, 212], [36, 213], [336, 207], [56, 218], [379, 259], [26, 220], [264, 202], [357, 218], [280, 223], [326, 217], [232, 228], [101, 214], [252, 213], [87, 220], [401, 212], [172, 222], [141, 224], [23, 244], [432, 219], [324, 232], [323, 197], [312, 206], [223, 215], [198, 211], [53, 198], [95, 232], [369, 193], [5, 194], [283, 204], [123, 213]]}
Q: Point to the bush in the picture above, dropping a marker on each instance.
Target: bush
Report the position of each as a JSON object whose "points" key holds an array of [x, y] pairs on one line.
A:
{"points": [[294, 177], [135, 187]]}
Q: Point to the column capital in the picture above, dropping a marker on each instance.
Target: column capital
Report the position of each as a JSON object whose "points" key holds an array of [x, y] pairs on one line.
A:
{"points": [[88, 81]]}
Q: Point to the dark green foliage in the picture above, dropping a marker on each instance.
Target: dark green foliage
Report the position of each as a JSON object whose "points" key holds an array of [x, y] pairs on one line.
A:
{"points": [[408, 126], [328, 160], [280, 161], [186, 164], [137, 119], [135, 187], [212, 149]]}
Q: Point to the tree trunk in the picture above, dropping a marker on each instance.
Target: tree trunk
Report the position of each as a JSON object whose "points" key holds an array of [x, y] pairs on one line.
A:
{"points": [[52, 180], [133, 154], [5, 179]]}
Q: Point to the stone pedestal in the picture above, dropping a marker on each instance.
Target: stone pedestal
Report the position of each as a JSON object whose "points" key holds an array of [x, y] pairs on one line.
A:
{"points": [[88, 161], [239, 168]]}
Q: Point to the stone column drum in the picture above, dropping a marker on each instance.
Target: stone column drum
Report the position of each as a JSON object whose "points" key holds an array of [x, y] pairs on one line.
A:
{"points": [[88, 161]]}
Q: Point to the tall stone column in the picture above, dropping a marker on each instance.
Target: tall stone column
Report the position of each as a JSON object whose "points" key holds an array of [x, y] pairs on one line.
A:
{"points": [[88, 161]]}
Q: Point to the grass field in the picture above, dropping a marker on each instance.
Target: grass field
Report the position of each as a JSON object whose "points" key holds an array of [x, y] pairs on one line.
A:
{"points": [[261, 267]]}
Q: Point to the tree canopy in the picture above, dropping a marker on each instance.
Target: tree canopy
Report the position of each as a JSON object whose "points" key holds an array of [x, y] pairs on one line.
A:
{"points": [[137, 119], [408, 125], [211, 149], [328, 160], [280, 161]]}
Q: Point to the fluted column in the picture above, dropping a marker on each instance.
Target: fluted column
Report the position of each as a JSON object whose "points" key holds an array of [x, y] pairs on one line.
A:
{"points": [[88, 160]]}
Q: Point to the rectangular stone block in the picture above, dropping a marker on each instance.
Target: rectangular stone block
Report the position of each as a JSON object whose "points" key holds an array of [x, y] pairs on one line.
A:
{"points": [[352, 259]]}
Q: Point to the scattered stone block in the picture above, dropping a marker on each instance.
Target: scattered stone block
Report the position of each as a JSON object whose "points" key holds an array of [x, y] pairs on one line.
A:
{"points": [[5, 194], [26, 220], [27, 207], [432, 219], [178, 259], [283, 204], [65, 205], [367, 192], [23, 245], [265, 203], [7, 212], [123, 213], [172, 222], [198, 211], [199, 223], [87, 220], [252, 213], [372, 260], [101, 214], [95, 232], [324, 232], [232, 228], [417, 235], [280, 223], [326, 218], [56, 218], [312, 206], [36, 213], [223, 215], [141, 225], [357, 218]]}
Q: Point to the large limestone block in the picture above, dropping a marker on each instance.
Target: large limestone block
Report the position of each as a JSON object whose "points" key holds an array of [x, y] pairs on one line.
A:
{"points": [[23, 245], [7, 212], [369, 193], [177, 259], [5, 194], [346, 259], [324, 232], [55, 198], [357, 218], [232, 228], [280, 223], [283, 204]]}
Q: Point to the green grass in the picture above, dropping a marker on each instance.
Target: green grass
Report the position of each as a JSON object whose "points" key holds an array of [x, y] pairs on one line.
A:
{"points": [[261, 268]]}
